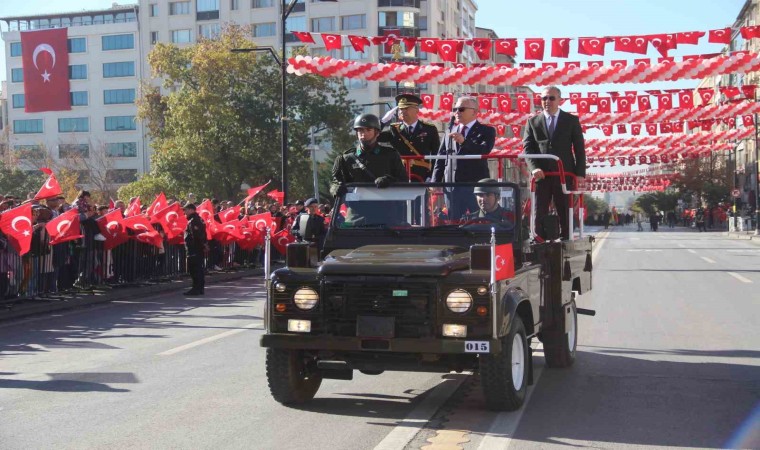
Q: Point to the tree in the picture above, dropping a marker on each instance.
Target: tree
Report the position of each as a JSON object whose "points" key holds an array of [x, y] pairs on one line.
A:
{"points": [[19, 182], [706, 179], [216, 124]]}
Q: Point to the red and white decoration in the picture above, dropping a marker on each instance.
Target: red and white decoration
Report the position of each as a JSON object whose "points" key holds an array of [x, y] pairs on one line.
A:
{"points": [[45, 59]]}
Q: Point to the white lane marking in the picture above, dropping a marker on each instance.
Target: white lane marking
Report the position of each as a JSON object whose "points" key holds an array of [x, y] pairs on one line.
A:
{"points": [[505, 424], [739, 277], [707, 259], [649, 250], [199, 342], [692, 251], [408, 428], [681, 245], [742, 250]]}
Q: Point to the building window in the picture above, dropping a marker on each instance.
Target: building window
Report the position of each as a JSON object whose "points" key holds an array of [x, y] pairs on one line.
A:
{"points": [[209, 30], [27, 126], [17, 75], [262, 3], [119, 69], [78, 72], [350, 53], [153, 10], [397, 19], [423, 23], [15, 48], [121, 150], [264, 29], [354, 22], [153, 37], [120, 123], [77, 45], [354, 83], [234, 5], [18, 100], [79, 98], [118, 96], [121, 175], [73, 125], [179, 8], [181, 36], [207, 5], [118, 42], [73, 151], [322, 24], [296, 23], [29, 151]]}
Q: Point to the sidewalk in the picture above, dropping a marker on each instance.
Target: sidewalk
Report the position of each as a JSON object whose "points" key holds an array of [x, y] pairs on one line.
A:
{"points": [[31, 307], [743, 235]]}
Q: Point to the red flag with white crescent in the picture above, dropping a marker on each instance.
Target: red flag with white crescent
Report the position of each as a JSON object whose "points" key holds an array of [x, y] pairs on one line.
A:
{"points": [[134, 208], [64, 228], [282, 239], [112, 228], [172, 220], [45, 59], [16, 223], [51, 188], [158, 204], [504, 262]]}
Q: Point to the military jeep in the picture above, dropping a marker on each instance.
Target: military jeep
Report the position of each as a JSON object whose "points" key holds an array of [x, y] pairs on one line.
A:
{"points": [[400, 286]]}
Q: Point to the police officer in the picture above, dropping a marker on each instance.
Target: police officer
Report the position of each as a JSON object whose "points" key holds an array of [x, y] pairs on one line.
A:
{"points": [[487, 198], [371, 161], [310, 226], [195, 246], [412, 136]]}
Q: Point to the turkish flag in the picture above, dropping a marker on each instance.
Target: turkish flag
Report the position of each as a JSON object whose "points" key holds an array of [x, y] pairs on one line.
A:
{"points": [[428, 101], [358, 42], [607, 130], [447, 50], [635, 129], [560, 47], [729, 91], [583, 105], [623, 104], [603, 104], [390, 37], [515, 130], [506, 47], [112, 228], [64, 228], [652, 129], [722, 36], [250, 237], [172, 220], [260, 222], [660, 43], [429, 45], [665, 127], [206, 211], [16, 223], [505, 102], [447, 101], [229, 214], [146, 233], [276, 195], [304, 37], [534, 48], [676, 127], [255, 190], [750, 32], [504, 262], [51, 188], [158, 204], [134, 208], [523, 104], [485, 101], [282, 239], [45, 58], [409, 43], [644, 103], [570, 65], [664, 101], [621, 128], [690, 37], [748, 121], [332, 41], [591, 46], [501, 129], [706, 94], [749, 91], [482, 47]]}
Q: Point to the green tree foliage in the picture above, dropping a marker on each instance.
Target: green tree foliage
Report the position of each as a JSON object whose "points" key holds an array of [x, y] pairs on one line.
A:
{"points": [[594, 205], [657, 201], [706, 179], [20, 182], [215, 123]]}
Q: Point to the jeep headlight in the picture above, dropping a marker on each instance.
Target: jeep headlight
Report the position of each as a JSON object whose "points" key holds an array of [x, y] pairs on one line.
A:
{"points": [[459, 301], [306, 298]]}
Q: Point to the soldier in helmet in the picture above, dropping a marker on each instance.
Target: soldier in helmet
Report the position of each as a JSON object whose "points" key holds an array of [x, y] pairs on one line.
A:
{"points": [[370, 161], [412, 136], [487, 198]]}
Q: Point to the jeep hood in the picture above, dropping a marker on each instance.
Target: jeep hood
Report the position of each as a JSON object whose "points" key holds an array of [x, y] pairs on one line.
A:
{"points": [[406, 260]]}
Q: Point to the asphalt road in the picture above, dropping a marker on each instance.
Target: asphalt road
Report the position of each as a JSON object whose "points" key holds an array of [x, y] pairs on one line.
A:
{"points": [[671, 359]]}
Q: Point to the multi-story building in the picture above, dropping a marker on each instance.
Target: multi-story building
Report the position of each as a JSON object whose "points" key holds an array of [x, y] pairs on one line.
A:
{"points": [[100, 130]]}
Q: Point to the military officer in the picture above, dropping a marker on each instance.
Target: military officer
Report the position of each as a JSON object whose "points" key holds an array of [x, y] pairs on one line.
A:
{"points": [[487, 198], [412, 136], [196, 247]]}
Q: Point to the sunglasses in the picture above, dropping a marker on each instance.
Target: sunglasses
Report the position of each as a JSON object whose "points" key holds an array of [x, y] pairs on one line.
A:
{"points": [[460, 109], [551, 98]]}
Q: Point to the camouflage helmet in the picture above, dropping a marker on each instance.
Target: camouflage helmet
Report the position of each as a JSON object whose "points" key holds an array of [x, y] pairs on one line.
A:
{"points": [[487, 189], [367, 121]]}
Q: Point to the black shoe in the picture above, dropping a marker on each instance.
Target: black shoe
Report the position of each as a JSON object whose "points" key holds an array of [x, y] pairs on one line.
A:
{"points": [[193, 292]]}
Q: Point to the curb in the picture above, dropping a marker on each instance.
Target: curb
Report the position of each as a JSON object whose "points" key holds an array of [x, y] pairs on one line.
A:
{"points": [[35, 308]]}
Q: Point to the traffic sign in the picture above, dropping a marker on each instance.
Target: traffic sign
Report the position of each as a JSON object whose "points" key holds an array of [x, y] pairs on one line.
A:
{"points": [[736, 193]]}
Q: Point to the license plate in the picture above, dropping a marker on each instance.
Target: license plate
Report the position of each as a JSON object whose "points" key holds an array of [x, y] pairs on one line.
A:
{"points": [[477, 346], [374, 326]]}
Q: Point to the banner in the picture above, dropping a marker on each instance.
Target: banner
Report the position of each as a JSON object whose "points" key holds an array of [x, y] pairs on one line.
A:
{"points": [[45, 58]]}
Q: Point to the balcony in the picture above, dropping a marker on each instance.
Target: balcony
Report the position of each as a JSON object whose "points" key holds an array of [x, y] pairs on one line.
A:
{"points": [[207, 15], [398, 3]]}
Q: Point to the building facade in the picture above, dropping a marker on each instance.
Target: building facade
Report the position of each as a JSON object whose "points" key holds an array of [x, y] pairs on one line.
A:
{"points": [[100, 131]]}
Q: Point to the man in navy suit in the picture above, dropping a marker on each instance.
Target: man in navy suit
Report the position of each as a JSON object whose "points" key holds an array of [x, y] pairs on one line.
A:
{"points": [[467, 137], [558, 133]]}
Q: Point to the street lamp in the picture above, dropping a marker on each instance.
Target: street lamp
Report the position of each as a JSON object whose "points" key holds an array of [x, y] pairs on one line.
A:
{"points": [[285, 11]]}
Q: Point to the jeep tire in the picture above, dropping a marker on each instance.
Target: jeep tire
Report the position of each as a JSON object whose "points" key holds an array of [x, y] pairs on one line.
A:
{"points": [[291, 381], [559, 350], [504, 375]]}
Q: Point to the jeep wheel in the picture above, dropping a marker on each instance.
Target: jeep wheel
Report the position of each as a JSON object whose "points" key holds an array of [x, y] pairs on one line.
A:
{"points": [[291, 381], [561, 352], [504, 375]]}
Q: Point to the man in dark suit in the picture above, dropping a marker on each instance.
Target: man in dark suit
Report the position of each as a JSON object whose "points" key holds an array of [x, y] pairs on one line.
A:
{"points": [[308, 225], [468, 137], [558, 133], [412, 137]]}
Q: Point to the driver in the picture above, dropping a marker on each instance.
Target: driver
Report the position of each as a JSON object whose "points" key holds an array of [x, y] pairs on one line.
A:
{"points": [[487, 198]]}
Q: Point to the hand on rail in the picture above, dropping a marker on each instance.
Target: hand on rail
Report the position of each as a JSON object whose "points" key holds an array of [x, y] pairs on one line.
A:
{"points": [[539, 174], [580, 183]]}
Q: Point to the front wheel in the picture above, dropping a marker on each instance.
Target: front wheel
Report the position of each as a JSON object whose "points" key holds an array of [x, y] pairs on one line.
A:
{"points": [[290, 376], [504, 375], [560, 352]]}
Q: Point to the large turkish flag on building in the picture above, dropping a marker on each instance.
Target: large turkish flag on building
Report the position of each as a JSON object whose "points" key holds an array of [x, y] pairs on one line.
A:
{"points": [[45, 58]]}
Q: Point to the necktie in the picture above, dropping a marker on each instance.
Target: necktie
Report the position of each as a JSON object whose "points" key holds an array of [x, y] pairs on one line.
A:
{"points": [[407, 131], [551, 127], [464, 133]]}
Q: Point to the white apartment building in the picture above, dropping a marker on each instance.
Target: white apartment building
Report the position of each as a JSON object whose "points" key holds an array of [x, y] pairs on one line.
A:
{"points": [[105, 62]]}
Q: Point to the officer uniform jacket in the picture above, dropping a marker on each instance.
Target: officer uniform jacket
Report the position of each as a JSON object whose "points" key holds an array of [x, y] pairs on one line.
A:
{"points": [[423, 138], [497, 215], [195, 235], [382, 161]]}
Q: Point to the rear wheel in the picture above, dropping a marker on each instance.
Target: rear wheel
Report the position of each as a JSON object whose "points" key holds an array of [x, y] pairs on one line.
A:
{"points": [[504, 375], [291, 378], [560, 351]]}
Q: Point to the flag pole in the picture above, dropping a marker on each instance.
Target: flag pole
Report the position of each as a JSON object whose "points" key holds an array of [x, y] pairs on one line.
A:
{"points": [[493, 281], [267, 256]]}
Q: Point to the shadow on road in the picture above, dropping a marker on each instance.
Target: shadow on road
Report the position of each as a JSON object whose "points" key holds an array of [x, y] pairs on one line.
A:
{"points": [[73, 382]]}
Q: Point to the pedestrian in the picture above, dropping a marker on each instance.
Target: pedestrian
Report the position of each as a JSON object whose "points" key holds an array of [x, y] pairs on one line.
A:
{"points": [[467, 137], [555, 132], [412, 136], [196, 247]]}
